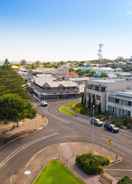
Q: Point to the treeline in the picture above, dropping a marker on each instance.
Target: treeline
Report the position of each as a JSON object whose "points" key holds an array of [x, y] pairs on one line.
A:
{"points": [[11, 82], [14, 102]]}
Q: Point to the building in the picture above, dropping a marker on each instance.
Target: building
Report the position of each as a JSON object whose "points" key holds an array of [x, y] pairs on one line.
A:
{"points": [[48, 87], [124, 75], [79, 80], [97, 90], [120, 103]]}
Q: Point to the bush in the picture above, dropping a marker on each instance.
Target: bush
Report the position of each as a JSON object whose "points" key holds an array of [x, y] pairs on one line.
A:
{"points": [[125, 180], [91, 164]]}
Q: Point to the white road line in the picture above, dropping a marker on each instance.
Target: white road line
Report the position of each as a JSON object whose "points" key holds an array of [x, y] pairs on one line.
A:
{"points": [[128, 170], [25, 146], [58, 118]]}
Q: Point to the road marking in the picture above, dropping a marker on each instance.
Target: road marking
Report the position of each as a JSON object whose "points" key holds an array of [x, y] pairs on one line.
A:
{"points": [[17, 138], [25, 146], [128, 170], [57, 117]]}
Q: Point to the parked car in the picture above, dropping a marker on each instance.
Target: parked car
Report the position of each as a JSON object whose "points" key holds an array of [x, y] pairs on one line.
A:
{"points": [[96, 122], [111, 128], [43, 103]]}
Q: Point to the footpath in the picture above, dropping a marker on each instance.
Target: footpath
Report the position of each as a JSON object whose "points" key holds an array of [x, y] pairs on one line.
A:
{"points": [[9, 132]]}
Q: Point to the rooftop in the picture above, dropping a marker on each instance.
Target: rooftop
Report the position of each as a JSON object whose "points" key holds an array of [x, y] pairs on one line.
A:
{"points": [[50, 81], [105, 80]]}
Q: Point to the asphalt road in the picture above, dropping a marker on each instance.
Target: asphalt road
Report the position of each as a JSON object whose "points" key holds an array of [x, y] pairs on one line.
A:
{"points": [[62, 128]]}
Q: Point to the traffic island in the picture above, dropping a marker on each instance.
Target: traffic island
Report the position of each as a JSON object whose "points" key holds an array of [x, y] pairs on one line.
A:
{"points": [[66, 153], [56, 172]]}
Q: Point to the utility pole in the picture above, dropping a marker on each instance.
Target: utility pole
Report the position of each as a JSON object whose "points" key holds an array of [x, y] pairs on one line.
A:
{"points": [[92, 123]]}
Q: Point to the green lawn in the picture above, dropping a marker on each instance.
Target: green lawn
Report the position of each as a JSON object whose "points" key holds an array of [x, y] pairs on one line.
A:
{"points": [[56, 173], [72, 108], [67, 108]]}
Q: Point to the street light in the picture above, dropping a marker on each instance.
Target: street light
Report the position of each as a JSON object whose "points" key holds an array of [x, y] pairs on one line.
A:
{"points": [[92, 124]]}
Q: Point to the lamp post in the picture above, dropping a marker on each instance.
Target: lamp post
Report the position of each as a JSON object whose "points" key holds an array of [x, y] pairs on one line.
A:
{"points": [[92, 124]]}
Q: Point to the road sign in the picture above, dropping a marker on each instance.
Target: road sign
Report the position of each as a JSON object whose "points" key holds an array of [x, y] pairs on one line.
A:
{"points": [[109, 142]]}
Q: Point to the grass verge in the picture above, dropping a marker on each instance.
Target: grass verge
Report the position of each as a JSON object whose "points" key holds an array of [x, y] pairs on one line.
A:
{"points": [[72, 108], [54, 173]]}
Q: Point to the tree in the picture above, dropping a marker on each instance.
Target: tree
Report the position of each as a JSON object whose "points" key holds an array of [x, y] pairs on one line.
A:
{"points": [[103, 75], [14, 108], [23, 62], [6, 63], [125, 180], [91, 164], [11, 82]]}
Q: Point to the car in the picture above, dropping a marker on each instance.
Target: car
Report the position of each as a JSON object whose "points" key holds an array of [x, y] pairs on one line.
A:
{"points": [[96, 122], [111, 128], [43, 103]]}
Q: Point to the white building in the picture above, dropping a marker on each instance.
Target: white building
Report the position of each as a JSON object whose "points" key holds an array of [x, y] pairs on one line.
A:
{"points": [[48, 87], [120, 103], [97, 91]]}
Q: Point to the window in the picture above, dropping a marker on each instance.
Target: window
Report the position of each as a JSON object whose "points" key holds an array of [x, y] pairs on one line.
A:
{"points": [[98, 97], [111, 99], [110, 109], [117, 100], [128, 113], [89, 86], [97, 88], [103, 89], [129, 103]]}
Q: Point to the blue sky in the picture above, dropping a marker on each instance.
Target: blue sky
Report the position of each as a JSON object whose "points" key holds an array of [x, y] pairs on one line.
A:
{"points": [[65, 29]]}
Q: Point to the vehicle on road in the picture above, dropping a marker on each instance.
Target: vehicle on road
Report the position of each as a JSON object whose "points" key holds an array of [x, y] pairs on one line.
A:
{"points": [[43, 103], [96, 122], [111, 128]]}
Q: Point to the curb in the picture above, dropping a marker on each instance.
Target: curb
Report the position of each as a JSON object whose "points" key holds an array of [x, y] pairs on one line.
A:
{"points": [[27, 133]]}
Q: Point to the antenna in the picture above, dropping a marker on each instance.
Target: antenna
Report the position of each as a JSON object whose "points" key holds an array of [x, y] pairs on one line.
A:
{"points": [[100, 55]]}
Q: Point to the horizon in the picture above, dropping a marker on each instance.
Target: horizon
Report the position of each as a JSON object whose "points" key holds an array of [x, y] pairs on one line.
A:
{"points": [[53, 30]]}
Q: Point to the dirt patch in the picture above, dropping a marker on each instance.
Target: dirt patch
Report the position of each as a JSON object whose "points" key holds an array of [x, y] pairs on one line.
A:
{"points": [[10, 131]]}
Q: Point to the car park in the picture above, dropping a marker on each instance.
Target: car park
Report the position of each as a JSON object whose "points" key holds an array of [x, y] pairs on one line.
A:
{"points": [[111, 128], [96, 122]]}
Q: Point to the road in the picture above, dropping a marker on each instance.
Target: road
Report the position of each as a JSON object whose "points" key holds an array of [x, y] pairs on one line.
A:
{"points": [[62, 128]]}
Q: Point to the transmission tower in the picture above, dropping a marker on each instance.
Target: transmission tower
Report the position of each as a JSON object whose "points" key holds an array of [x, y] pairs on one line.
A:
{"points": [[100, 54]]}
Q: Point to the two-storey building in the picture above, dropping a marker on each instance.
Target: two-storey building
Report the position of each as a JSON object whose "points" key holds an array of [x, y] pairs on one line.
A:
{"points": [[120, 103]]}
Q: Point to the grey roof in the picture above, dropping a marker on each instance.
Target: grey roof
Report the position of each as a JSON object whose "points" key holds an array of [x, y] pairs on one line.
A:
{"points": [[50, 81]]}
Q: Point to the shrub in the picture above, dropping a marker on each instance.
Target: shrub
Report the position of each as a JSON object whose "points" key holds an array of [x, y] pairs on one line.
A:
{"points": [[125, 180], [91, 164], [103, 161]]}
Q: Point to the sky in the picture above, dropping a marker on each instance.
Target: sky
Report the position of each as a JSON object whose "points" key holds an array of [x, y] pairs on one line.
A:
{"points": [[65, 29]]}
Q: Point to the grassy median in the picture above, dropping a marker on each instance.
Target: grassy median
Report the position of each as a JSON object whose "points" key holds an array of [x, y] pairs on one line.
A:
{"points": [[72, 108], [54, 173]]}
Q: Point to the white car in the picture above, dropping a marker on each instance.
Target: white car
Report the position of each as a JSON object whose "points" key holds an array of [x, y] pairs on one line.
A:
{"points": [[97, 122], [43, 103]]}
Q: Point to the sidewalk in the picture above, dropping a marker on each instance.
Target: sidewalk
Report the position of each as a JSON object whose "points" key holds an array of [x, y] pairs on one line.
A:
{"points": [[66, 152], [11, 131]]}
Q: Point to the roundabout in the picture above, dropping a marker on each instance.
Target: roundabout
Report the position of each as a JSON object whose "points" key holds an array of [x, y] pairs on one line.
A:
{"points": [[62, 129], [65, 152]]}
